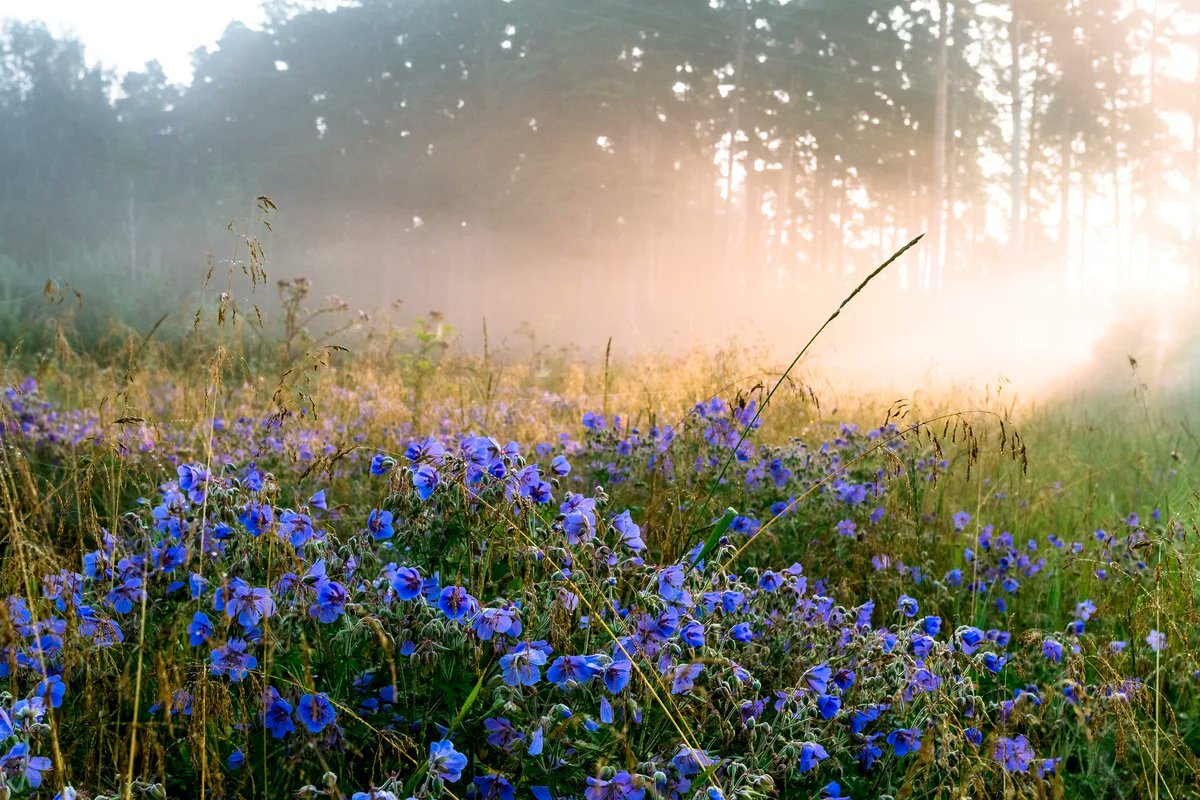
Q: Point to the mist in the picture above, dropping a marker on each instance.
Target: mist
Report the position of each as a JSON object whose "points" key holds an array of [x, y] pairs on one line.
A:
{"points": [[670, 176]]}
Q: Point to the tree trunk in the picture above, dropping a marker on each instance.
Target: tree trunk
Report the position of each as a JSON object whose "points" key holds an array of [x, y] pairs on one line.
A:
{"points": [[1015, 210], [937, 211]]}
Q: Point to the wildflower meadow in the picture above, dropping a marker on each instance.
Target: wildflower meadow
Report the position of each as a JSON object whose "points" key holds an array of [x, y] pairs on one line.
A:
{"points": [[416, 572]]}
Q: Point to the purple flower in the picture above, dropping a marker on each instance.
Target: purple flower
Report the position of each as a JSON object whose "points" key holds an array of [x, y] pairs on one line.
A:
{"points": [[494, 787], [501, 733], [522, 666], [617, 675], [379, 524], [1015, 754], [811, 754], [1156, 640], [1052, 650], [123, 597], [51, 690], [816, 679], [330, 603], [685, 678], [970, 639], [670, 583], [17, 763], [455, 603], [492, 621], [579, 669], [277, 715], [631, 534], [904, 741], [425, 479], [315, 712], [445, 762], [405, 581], [828, 705], [247, 604], [232, 659], [623, 786]]}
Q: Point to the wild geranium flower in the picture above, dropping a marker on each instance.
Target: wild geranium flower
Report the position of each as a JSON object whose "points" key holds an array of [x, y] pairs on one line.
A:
{"points": [[501, 733], [315, 712], [579, 669], [248, 604], [427, 450], [192, 481], [1015, 754], [691, 762], [907, 606], [693, 634], [1052, 650], [492, 621], [296, 528], [277, 715], [1156, 640], [833, 791], [630, 533], [455, 603], [123, 597], [256, 517], [904, 741], [816, 679], [811, 754], [236, 760], [18, 763], [522, 667], [425, 479], [622, 786], [869, 752], [379, 524], [445, 762], [828, 705], [670, 583], [494, 787], [51, 691], [617, 675], [405, 581], [578, 527], [961, 519], [536, 742], [970, 638], [685, 678], [330, 603], [232, 659], [560, 466]]}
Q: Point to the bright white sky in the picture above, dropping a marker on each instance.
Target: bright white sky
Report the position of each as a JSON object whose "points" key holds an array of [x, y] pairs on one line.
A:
{"points": [[125, 34]]}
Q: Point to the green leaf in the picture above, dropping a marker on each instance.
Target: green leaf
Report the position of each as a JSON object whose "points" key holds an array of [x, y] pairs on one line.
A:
{"points": [[715, 537]]}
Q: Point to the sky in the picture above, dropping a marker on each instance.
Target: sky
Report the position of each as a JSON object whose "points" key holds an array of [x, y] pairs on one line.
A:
{"points": [[125, 34]]}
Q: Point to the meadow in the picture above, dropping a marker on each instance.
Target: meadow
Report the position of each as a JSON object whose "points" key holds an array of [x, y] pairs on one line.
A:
{"points": [[256, 563]]}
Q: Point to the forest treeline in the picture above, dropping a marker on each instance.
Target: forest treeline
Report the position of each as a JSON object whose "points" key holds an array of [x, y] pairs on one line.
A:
{"points": [[601, 157]]}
